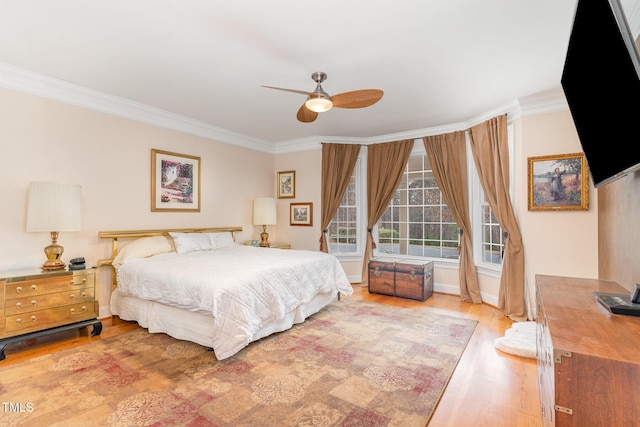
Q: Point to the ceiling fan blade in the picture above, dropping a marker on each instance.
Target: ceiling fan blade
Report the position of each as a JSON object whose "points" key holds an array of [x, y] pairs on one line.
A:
{"points": [[357, 98], [305, 115], [302, 92]]}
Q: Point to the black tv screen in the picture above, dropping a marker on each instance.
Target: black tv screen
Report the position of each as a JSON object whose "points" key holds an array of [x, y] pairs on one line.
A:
{"points": [[601, 82]]}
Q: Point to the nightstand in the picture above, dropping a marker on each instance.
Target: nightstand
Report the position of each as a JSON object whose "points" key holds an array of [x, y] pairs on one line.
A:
{"points": [[36, 303]]}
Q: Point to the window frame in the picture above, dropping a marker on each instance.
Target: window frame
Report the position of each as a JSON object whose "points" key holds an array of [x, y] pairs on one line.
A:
{"points": [[417, 150], [476, 198], [360, 173]]}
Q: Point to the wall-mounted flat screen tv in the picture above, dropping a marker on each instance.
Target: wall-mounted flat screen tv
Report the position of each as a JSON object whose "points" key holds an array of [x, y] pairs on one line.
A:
{"points": [[601, 82]]}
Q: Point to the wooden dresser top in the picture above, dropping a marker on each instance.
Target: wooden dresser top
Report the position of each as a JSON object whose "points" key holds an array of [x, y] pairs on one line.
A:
{"points": [[578, 323]]}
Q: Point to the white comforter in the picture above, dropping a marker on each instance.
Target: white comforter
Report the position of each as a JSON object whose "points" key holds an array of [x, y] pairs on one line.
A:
{"points": [[242, 287]]}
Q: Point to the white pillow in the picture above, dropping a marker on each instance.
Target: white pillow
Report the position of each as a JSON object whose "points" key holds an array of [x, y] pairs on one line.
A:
{"points": [[191, 242], [220, 240], [142, 248]]}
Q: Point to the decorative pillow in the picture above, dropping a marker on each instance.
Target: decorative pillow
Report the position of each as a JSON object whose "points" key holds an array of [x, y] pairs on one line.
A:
{"points": [[220, 240], [142, 248], [191, 242]]}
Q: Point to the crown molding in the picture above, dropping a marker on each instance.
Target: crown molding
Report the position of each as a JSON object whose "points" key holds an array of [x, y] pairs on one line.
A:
{"points": [[26, 81], [22, 80]]}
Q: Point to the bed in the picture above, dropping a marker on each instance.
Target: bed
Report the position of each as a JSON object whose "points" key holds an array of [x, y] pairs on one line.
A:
{"points": [[200, 285]]}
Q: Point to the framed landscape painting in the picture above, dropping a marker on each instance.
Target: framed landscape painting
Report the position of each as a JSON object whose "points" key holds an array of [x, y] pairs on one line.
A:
{"points": [[175, 182], [558, 182]]}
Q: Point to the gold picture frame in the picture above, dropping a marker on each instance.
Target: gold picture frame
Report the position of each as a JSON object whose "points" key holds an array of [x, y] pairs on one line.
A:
{"points": [[175, 182], [286, 185], [301, 214], [558, 182]]}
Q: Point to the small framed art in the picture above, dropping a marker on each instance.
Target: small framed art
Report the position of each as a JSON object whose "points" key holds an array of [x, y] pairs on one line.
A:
{"points": [[558, 182], [301, 214], [287, 185], [175, 182]]}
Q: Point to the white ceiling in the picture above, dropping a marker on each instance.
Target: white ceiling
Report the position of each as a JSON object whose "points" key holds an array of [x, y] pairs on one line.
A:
{"points": [[439, 62]]}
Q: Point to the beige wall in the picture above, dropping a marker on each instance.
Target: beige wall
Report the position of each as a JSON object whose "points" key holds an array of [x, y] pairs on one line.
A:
{"points": [[563, 243], [308, 168], [111, 158]]}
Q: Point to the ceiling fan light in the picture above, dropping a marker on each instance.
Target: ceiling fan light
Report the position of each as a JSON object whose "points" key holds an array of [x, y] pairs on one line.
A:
{"points": [[318, 103]]}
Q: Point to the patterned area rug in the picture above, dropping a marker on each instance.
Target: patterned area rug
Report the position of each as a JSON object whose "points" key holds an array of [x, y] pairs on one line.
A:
{"points": [[355, 363]]}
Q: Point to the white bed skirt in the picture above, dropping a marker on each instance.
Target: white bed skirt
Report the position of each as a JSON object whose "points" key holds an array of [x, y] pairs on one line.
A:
{"points": [[197, 327]]}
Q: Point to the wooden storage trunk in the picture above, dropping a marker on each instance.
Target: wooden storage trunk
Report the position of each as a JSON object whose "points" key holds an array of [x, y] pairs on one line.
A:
{"points": [[381, 275], [405, 278], [414, 279]]}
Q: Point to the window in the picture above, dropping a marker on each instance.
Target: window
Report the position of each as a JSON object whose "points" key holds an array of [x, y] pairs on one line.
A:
{"points": [[492, 237], [488, 237], [417, 221], [347, 228]]}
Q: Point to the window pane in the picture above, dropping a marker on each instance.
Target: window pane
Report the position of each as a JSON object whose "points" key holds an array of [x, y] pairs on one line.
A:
{"points": [[492, 239], [417, 222], [342, 234]]}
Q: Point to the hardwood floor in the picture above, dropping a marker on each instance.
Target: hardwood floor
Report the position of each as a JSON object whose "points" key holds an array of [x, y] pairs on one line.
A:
{"points": [[488, 388]]}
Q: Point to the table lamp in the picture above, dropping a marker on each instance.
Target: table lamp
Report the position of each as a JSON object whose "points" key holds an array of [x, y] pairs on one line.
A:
{"points": [[53, 208], [264, 213]]}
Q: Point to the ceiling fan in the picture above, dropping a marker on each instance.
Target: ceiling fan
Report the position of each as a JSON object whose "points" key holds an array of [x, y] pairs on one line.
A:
{"points": [[319, 101]]}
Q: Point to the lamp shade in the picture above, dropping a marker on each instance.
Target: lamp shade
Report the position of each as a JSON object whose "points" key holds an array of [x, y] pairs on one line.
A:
{"points": [[53, 207], [264, 211]]}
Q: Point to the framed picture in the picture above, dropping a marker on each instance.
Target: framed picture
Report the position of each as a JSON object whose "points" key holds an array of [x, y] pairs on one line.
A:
{"points": [[287, 185], [559, 182], [175, 182], [301, 214]]}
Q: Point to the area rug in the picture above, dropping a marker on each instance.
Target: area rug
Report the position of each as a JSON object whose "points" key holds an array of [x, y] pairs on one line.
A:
{"points": [[519, 340], [354, 363]]}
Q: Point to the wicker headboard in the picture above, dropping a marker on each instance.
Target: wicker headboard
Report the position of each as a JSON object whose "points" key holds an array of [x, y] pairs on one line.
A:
{"points": [[134, 234]]}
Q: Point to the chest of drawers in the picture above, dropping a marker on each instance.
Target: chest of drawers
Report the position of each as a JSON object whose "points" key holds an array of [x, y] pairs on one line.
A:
{"points": [[588, 359], [35, 303]]}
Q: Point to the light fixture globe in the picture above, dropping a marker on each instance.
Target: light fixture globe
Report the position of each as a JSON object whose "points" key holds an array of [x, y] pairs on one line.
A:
{"points": [[319, 102]]}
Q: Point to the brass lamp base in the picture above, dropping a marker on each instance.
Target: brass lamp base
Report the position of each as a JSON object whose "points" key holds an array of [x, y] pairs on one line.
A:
{"points": [[264, 237], [54, 253]]}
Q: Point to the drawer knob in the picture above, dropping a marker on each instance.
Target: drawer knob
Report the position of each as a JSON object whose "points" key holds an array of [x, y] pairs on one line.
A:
{"points": [[32, 319], [82, 310], [19, 288], [73, 282], [19, 304]]}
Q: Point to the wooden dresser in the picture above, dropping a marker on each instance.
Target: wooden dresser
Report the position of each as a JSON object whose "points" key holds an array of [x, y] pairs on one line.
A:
{"points": [[34, 303], [588, 358]]}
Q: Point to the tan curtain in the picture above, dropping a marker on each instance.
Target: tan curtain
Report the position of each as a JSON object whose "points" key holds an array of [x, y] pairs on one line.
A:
{"points": [[338, 162], [448, 157], [385, 166], [489, 145]]}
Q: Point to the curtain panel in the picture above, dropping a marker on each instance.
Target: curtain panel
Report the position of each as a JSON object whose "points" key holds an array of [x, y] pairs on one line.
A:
{"points": [[448, 156], [489, 145], [385, 166], [338, 162]]}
